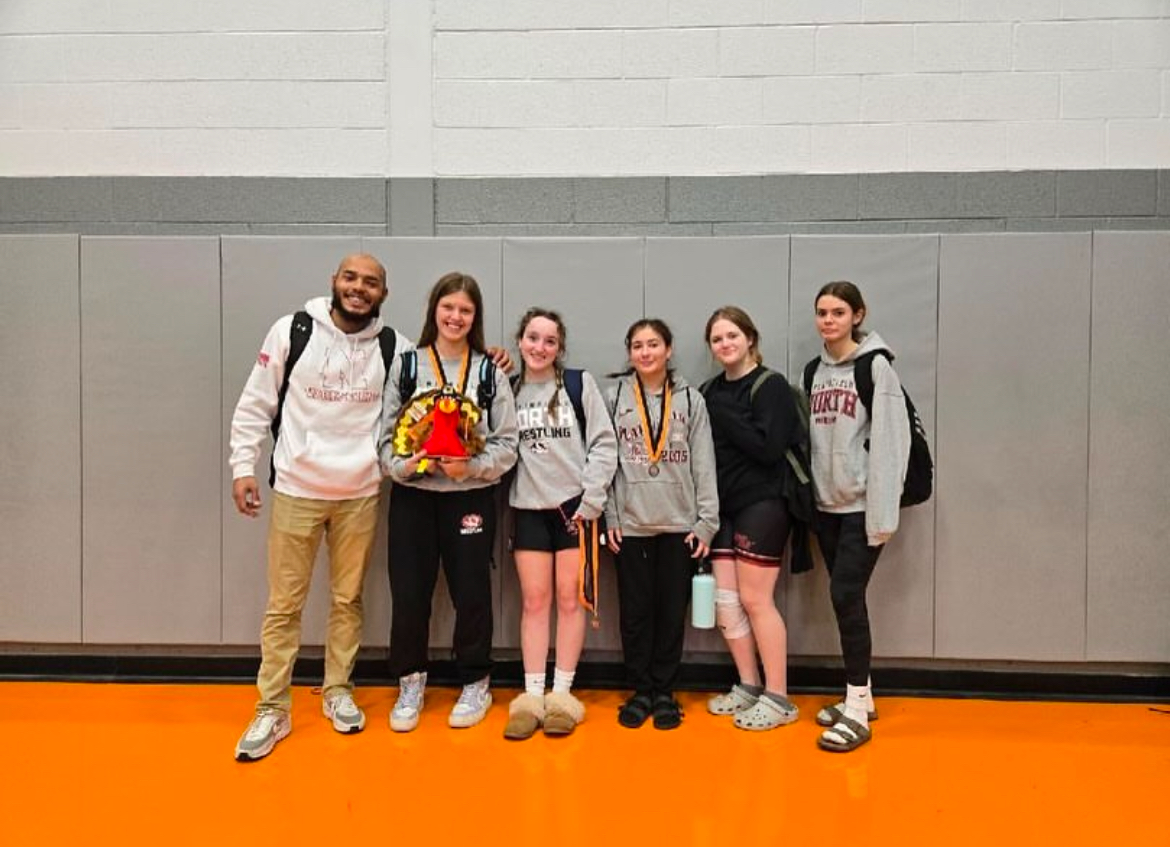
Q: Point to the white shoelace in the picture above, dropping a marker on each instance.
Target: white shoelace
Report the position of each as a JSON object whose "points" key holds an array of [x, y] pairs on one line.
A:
{"points": [[471, 698], [261, 726], [343, 704], [409, 695]]}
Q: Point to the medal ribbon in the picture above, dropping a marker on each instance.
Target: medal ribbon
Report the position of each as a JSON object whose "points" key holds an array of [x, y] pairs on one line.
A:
{"points": [[463, 368], [656, 442]]}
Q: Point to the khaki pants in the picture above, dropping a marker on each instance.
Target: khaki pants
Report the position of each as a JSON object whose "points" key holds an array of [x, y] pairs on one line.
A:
{"points": [[294, 534]]}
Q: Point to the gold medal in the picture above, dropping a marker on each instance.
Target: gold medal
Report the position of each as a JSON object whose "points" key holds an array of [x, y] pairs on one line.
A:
{"points": [[655, 442]]}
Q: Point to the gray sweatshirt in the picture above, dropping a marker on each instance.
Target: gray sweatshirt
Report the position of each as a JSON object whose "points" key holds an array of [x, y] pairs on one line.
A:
{"points": [[557, 462], [485, 468], [847, 476], [684, 496]]}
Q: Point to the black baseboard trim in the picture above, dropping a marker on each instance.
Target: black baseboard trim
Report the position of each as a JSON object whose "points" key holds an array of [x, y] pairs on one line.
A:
{"points": [[1023, 683]]}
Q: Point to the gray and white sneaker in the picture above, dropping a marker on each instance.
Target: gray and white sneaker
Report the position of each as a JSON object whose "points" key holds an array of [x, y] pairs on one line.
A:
{"points": [[472, 705], [268, 727], [339, 707], [408, 707]]}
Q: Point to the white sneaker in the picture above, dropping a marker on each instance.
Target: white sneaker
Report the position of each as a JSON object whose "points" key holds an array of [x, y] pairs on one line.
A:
{"points": [[407, 708], [472, 705], [266, 729], [347, 718]]}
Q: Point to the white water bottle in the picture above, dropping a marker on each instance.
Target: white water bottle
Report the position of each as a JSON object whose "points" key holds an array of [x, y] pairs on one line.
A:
{"points": [[703, 598]]}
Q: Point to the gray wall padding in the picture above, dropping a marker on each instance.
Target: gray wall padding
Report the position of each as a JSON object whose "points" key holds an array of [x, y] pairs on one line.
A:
{"points": [[40, 453], [1043, 542]]}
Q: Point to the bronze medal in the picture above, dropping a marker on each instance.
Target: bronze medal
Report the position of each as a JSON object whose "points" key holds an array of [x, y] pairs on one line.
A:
{"points": [[655, 442]]}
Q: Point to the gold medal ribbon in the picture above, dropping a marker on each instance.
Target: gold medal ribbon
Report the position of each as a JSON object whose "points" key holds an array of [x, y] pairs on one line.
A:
{"points": [[657, 443], [441, 374]]}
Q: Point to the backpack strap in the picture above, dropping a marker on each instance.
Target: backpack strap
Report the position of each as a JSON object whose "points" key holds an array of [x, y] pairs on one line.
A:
{"points": [[485, 392], [863, 376], [764, 375], [298, 339], [408, 377], [387, 342], [810, 372], [574, 382]]}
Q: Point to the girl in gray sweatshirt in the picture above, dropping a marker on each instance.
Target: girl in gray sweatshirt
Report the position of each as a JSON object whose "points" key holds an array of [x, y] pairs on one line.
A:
{"points": [[662, 513], [859, 458], [568, 454]]}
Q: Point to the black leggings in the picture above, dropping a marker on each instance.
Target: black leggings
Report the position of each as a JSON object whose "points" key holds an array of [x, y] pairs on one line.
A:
{"points": [[456, 528], [654, 587], [850, 561]]}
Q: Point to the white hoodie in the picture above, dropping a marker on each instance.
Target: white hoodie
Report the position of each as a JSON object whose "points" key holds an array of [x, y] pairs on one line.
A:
{"points": [[331, 421]]}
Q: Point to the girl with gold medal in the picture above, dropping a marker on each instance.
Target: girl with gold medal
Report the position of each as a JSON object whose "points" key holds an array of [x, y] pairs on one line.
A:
{"points": [[662, 513], [445, 455]]}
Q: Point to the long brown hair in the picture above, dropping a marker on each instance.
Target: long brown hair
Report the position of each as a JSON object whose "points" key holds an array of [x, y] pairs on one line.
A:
{"points": [[558, 363], [453, 283]]}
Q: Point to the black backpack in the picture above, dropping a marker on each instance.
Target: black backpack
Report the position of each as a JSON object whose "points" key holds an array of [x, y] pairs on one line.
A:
{"points": [[298, 340], [485, 392], [919, 484]]}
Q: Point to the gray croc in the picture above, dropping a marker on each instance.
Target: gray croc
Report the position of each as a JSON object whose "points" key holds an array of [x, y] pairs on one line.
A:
{"points": [[829, 715], [768, 713], [854, 734], [734, 701]]}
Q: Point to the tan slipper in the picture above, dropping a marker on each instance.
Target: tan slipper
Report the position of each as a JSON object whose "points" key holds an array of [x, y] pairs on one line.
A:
{"points": [[562, 713], [525, 715]]}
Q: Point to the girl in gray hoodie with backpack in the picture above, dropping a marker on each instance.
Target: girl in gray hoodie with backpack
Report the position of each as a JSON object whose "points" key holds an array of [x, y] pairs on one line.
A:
{"points": [[662, 513], [859, 458]]}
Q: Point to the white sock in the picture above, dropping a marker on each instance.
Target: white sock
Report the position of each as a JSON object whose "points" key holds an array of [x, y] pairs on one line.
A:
{"points": [[534, 684], [858, 701], [562, 680]]}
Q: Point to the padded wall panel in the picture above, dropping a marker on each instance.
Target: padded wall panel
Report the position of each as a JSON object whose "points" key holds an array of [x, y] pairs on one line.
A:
{"points": [[264, 279], [40, 453], [151, 440], [1129, 450], [1012, 446], [898, 277], [686, 280], [413, 266], [596, 285]]}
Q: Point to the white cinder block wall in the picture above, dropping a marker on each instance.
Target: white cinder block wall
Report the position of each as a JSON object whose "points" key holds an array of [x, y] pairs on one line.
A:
{"points": [[564, 87]]}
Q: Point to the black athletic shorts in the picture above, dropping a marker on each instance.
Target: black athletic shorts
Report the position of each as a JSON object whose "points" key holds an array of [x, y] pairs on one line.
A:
{"points": [[542, 529], [756, 534]]}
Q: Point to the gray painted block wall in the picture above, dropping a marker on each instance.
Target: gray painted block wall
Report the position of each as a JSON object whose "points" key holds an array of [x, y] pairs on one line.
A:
{"points": [[1041, 544], [682, 206]]}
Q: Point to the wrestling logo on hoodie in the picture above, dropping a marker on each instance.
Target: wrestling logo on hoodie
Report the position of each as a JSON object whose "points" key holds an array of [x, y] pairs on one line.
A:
{"points": [[344, 377]]}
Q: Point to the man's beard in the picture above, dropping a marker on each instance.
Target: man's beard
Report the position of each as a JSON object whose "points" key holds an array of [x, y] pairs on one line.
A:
{"points": [[339, 307]]}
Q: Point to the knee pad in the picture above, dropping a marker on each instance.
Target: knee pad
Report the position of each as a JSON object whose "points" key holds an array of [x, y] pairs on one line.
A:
{"points": [[730, 614]]}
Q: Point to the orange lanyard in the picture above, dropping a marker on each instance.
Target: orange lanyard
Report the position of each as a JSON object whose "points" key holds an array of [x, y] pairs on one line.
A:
{"points": [[438, 366], [655, 442]]}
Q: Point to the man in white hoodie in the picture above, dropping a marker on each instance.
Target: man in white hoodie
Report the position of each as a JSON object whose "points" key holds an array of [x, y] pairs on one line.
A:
{"points": [[326, 482]]}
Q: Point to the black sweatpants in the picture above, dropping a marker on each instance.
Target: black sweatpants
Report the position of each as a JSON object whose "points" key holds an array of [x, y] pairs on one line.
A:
{"points": [[654, 587], [850, 561], [456, 528]]}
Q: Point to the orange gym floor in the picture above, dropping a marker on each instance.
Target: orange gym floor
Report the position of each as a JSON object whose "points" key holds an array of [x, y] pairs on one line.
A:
{"points": [[92, 763]]}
